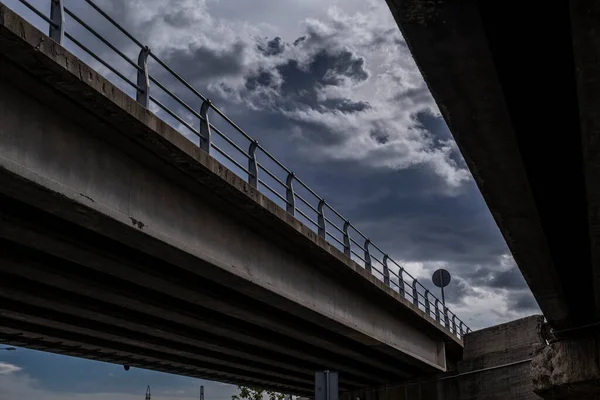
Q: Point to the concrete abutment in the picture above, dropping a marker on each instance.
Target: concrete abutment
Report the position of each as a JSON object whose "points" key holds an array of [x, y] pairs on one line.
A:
{"points": [[496, 365]]}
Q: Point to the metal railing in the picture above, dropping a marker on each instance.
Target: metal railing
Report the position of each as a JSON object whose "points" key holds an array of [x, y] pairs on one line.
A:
{"points": [[283, 187]]}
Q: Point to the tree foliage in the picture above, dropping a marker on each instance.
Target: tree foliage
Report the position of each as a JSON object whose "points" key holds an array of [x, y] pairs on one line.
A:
{"points": [[247, 393]]}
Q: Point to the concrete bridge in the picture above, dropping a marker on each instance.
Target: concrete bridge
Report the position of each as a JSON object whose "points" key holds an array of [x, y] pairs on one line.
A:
{"points": [[519, 88], [122, 241]]}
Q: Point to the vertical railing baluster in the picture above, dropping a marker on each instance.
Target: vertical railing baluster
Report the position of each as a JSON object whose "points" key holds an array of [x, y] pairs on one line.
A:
{"points": [[289, 194], [437, 310], [386, 271], [427, 305], [321, 218], [57, 16], [347, 250], [205, 131], [462, 332], [454, 324], [252, 164], [401, 281], [368, 265], [142, 95], [446, 318], [415, 293]]}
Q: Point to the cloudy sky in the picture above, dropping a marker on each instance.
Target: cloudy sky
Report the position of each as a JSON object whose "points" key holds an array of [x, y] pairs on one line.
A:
{"points": [[329, 87]]}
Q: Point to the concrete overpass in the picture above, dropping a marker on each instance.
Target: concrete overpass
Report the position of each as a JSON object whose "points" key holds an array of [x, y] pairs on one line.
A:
{"points": [[122, 241], [519, 88]]}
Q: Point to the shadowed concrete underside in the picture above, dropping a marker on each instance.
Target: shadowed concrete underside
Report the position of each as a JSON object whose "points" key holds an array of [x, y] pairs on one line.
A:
{"points": [[520, 94], [519, 86]]}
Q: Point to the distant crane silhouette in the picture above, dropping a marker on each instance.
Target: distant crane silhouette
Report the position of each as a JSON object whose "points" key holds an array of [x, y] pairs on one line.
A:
{"points": [[148, 393]]}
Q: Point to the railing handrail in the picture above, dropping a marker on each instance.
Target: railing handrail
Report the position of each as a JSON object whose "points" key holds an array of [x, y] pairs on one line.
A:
{"points": [[411, 289]]}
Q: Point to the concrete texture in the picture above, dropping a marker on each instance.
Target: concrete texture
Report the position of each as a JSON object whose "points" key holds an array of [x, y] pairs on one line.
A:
{"points": [[522, 106], [568, 369], [124, 242], [496, 366]]}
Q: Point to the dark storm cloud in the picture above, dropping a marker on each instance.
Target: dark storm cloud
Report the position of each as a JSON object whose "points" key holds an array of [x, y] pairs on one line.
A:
{"points": [[523, 302], [262, 78], [380, 136], [272, 47], [324, 68], [509, 279], [204, 63], [300, 83]]}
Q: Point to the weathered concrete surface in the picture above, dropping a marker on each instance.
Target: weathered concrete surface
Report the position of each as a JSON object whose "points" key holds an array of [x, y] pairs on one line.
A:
{"points": [[522, 105], [568, 369], [496, 366], [145, 250], [503, 353]]}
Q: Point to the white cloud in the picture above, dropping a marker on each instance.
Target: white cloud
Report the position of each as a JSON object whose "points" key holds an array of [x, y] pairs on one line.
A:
{"points": [[6, 368]]}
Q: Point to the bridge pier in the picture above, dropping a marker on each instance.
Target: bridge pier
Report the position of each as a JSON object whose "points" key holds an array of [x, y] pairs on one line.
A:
{"points": [[568, 369]]}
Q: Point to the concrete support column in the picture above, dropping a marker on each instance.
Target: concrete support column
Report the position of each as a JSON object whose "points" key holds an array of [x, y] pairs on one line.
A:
{"points": [[568, 369]]}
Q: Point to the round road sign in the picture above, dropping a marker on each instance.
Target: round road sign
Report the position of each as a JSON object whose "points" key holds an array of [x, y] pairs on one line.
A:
{"points": [[441, 278]]}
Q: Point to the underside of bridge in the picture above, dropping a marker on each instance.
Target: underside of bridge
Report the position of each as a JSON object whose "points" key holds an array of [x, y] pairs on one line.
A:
{"points": [[519, 87], [121, 241]]}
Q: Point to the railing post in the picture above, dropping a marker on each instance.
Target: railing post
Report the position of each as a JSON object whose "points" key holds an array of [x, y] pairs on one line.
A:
{"points": [[427, 305], [289, 194], [205, 134], [386, 271], [253, 165], [462, 332], [347, 250], [321, 218], [437, 311], [415, 293], [454, 324], [143, 82], [446, 318], [401, 281], [57, 16], [368, 265]]}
